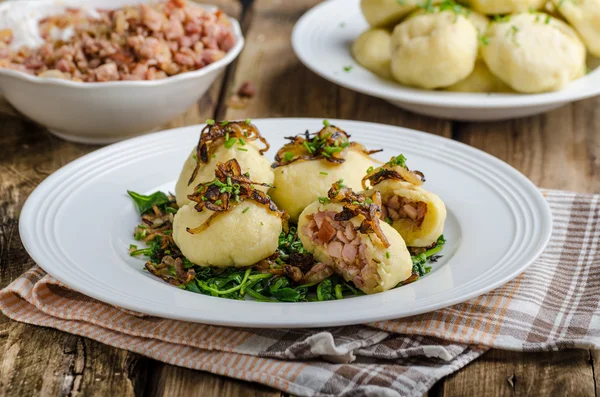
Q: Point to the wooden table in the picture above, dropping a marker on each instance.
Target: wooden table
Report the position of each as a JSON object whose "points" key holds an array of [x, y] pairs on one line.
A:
{"points": [[559, 150]]}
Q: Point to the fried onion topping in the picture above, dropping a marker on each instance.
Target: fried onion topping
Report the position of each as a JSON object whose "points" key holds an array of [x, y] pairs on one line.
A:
{"points": [[395, 169], [229, 188], [331, 144], [224, 133]]}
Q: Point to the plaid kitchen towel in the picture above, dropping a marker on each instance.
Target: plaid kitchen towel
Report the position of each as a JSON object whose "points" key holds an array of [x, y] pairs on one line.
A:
{"points": [[553, 305]]}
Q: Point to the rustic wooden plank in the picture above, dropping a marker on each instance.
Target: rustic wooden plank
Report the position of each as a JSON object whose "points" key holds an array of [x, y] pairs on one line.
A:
{"points": [[173, 381], [504, 373], [557, 150]]}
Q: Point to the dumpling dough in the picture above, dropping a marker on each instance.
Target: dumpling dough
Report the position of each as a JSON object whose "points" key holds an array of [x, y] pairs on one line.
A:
{"points": [[251, 161], [531, 55], [584, 16], [433, 50], [381, 13], [373, 50], [234, 238], [481, 80], [382, 272], [494, 7], [433, 222], [300, 183]]}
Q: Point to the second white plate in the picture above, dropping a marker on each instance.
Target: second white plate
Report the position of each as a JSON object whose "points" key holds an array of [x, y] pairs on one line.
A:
{"points": [[77, 225], [322, 39]]}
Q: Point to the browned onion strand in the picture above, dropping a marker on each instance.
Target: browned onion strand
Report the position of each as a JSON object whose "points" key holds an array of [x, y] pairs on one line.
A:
{"points": [[330, 143], [232, 188], [213, 136], [389, 171]]}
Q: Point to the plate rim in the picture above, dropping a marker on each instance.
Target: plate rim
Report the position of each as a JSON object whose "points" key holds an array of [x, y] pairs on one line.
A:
{"points": [[445, 99], [29, 210]]}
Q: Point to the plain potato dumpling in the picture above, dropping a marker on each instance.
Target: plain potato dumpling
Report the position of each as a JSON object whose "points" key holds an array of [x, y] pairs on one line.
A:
{"points": [[584, 16], [480, 80], [382, 13], [234, 238], [385, 267], [534, 54], [251, 161], [373, 50], [433, 50], [300, 183], [495, 7]]}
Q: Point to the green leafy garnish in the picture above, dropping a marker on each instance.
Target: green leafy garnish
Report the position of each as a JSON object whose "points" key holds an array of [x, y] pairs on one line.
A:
{"points": [[347, 68], [145, 203]]}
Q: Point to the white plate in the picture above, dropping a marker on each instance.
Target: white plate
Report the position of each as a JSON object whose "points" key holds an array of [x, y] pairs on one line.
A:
{"points": [[78, 225], [322, 39]]}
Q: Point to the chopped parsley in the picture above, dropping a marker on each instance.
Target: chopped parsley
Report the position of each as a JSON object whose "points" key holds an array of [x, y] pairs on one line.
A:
{"points": [[245, 210], [323, 173]]}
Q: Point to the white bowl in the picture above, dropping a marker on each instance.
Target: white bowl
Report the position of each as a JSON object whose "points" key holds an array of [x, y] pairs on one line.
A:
{"points": [[98, 112], [322, 39]]}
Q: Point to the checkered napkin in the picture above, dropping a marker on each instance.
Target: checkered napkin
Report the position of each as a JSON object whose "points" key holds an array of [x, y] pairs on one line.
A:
{"points": [[553, 305]]}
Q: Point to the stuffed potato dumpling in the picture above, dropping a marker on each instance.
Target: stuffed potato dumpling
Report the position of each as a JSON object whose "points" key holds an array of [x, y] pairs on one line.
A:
{"points": [[361, 249], [434, 50], [219, 142], [306, 167], [229, 222], [418, 215], [533, 52]]}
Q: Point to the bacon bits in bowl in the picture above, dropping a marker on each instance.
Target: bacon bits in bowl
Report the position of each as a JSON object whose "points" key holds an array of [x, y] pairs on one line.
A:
{"points": [[99, 71]]}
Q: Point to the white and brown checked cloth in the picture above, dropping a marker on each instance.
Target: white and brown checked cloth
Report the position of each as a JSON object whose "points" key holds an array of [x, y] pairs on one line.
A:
{"points": [[555, 304]]}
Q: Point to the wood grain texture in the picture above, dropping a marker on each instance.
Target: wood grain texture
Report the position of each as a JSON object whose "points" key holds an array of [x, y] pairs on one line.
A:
{"points": [[173, 381], [504, 373], [556, 150]]}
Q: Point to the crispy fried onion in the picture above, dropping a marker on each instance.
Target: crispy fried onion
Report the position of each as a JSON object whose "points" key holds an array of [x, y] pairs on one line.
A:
{"points": [[226, 133], [226, 191], [359, 204], [163, 270], [331, 144], [390, 170]]}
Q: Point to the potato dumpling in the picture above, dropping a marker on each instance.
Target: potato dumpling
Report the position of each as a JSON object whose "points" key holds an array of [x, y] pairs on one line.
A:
{"points": [[584, 16], [495, 7], [480, 21], [418, 215], [358, 258], [480, 80], [381, 13], [241, 237], [300, 183], [534, 54], [433, 50], [373, 49], [251, 161]]}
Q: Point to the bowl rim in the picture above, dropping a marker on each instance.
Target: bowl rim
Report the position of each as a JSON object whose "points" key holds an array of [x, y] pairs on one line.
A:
{"points": [[395, 92], [229, 57]]}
